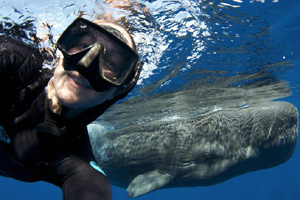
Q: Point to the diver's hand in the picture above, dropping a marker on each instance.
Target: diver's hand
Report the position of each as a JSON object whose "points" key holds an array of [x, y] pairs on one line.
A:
{"points": [[53, 109], [52, 131], [54, 121]]}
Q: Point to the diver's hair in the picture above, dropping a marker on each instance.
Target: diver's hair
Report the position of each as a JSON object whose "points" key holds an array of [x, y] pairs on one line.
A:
{"points": [[22, 77]]}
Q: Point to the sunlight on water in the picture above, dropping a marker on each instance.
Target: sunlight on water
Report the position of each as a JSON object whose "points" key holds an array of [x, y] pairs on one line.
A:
{"points": [[199, 55], [207, 56]]}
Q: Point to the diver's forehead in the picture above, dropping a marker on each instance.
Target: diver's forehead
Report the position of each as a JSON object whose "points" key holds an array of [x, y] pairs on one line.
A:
{"points": [[119, 28]]}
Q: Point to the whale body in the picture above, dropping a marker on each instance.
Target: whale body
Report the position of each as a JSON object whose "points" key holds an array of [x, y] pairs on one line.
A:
{"points": [[199, 151]]}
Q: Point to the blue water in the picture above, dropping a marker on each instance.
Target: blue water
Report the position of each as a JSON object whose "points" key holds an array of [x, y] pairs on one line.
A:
{"points": [[187, 44]]}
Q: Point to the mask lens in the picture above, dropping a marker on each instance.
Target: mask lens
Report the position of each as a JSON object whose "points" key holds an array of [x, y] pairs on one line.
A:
{"points": [[116, 64], [118, 59]]}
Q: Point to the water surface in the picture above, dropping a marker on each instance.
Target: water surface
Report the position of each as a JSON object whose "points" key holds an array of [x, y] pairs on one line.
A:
{"points": [[200, 56]]}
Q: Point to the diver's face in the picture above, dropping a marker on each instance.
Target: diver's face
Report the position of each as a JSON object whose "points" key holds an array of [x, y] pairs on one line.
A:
{"points": [[74, 91]]}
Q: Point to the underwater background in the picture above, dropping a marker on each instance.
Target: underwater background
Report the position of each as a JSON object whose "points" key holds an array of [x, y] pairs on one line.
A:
{"points": [[248, 45]]}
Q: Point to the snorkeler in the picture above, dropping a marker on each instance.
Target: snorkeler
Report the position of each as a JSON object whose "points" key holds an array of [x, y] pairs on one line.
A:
{"points": [[44, 114]]}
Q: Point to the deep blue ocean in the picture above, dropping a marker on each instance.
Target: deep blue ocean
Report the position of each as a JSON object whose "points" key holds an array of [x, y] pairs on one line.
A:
{"points": [[185, 44]]}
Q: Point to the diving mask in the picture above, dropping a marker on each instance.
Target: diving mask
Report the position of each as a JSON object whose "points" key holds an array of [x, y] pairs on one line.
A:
{"points": [[101, 57]]}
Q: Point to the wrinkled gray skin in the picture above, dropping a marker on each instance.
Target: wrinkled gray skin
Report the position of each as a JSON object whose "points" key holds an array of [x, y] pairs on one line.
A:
{"points": [[200, 151]]}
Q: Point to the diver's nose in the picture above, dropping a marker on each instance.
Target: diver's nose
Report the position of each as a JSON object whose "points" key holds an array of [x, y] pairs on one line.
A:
{"points": [[92, 54]]}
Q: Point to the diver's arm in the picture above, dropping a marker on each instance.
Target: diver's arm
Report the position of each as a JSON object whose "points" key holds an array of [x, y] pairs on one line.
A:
{"points": [[67, 144], [20, 84]]}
